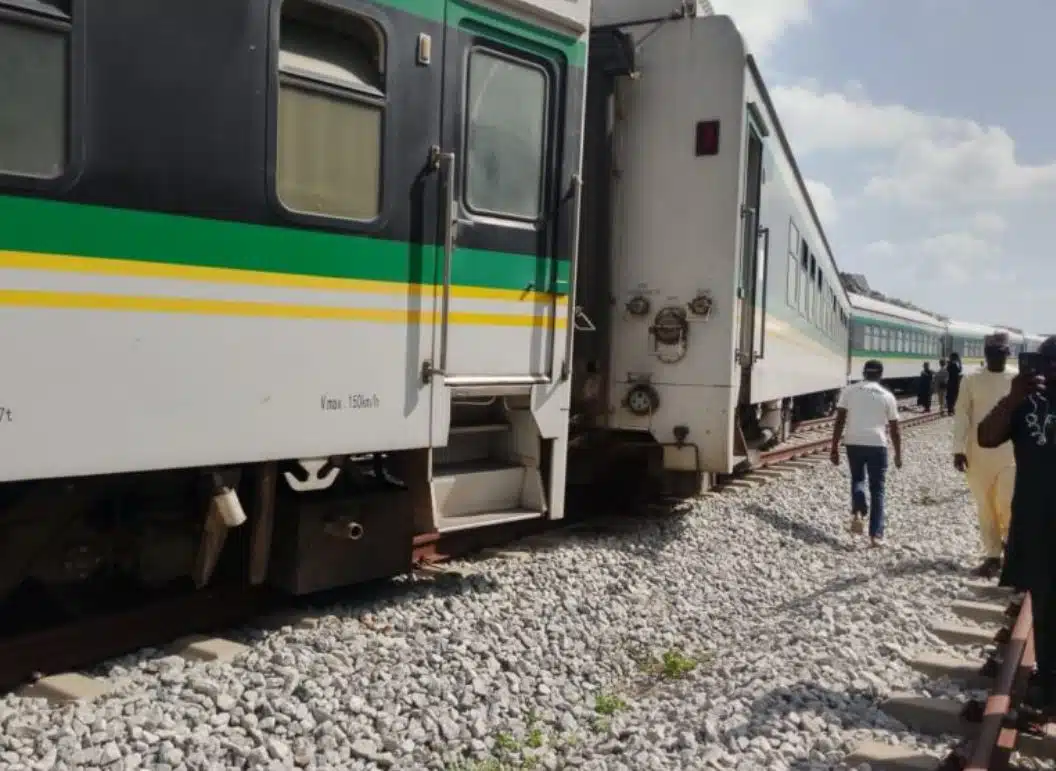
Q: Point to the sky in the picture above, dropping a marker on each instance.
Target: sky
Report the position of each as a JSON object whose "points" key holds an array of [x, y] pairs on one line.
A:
{"points": [[927, 132]]}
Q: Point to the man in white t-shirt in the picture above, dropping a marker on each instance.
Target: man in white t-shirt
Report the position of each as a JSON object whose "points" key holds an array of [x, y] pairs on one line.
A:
{"points": [[868, 411]]}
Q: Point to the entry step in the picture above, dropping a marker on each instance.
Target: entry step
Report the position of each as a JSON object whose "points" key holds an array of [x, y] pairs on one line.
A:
{"points": [[486, 490], [486, 519], [479, 428]]}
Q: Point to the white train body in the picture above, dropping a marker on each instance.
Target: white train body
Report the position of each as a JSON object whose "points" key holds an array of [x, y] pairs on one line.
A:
{"points": [[726, 295]]}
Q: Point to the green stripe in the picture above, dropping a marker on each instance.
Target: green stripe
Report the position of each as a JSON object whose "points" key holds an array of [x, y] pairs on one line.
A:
{"points": [[34, 225], [860, 353], [905, 325], [458, 14]]}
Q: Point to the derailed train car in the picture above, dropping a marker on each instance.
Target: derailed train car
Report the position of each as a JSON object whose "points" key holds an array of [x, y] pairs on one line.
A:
{"points": [[301, 277], [717, 310], [293, 269]]}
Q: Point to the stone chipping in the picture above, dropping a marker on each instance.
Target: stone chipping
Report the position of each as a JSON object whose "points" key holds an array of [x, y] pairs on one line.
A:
{"points": [[750, 631]]}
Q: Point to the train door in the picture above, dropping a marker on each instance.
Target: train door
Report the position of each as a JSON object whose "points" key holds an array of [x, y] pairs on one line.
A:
{"points": [[751, 283], [501, 109], [762, 272]]}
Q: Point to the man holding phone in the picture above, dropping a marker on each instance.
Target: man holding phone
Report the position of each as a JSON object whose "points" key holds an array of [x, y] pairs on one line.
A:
{"points": [[1026, 418], [990, 472]]}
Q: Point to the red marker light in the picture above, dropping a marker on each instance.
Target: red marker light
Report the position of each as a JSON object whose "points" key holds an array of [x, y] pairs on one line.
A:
{"points": [[707, 138]]}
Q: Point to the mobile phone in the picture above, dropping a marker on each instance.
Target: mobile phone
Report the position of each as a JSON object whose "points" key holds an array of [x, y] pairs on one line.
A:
{"points": [[1030, 362]]}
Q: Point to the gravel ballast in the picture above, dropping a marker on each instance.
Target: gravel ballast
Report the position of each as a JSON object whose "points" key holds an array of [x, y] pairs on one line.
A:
{"points": [[751, 633]]}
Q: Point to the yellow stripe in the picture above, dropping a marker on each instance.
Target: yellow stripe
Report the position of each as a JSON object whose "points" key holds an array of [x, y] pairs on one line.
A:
{"points": [[109, 302], [104, 266]]}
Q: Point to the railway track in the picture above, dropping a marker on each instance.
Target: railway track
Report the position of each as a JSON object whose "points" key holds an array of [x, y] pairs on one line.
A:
{"points": [[994, 731], [42, 662], [811, 438], [904, 405]]}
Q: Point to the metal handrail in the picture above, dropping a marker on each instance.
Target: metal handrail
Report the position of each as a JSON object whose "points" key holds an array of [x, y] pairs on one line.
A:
{"points": [[448, 214], [573, 268], [993, 735]]}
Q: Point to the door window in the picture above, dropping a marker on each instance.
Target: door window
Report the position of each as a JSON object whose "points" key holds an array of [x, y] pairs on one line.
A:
{"points": [[506, 115]]}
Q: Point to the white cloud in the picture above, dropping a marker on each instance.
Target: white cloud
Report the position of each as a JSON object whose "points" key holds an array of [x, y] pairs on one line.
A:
{"points": [[934, 162], [933, 198], [953, 258], [824, 202], [959, 242], [763, 22], [879, 250], [989, 223]]}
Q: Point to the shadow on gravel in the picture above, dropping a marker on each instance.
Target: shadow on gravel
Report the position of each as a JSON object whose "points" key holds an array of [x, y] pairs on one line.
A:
{"points": [[807, 710], [801, 531], [914, 567]]}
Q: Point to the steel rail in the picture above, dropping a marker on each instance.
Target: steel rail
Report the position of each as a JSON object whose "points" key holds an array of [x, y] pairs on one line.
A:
{"points": [[995, 742]]}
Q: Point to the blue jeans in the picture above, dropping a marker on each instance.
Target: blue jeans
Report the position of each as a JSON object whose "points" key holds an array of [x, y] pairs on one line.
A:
{"points": [[863, 458]]}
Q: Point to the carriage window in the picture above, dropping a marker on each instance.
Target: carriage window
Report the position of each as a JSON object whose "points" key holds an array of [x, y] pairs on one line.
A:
{"points": [[330, 111], [506, 118], [33, 91]]}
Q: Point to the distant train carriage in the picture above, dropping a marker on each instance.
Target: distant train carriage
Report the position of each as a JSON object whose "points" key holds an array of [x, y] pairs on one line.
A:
{"points": [[1031, 341], [966, 338], [1016, 340], [901, 338], [1016, 344], [717, 306]]}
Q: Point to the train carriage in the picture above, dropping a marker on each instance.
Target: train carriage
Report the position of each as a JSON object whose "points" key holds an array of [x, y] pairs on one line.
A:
{"points": [[901, 338], [1016, 345], [717, 307], [1031, 341], [316, 246], [966, 340], [304, 277]]}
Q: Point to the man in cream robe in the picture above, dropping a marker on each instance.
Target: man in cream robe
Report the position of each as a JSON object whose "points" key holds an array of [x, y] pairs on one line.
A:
{"points": [[991, 473]]}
